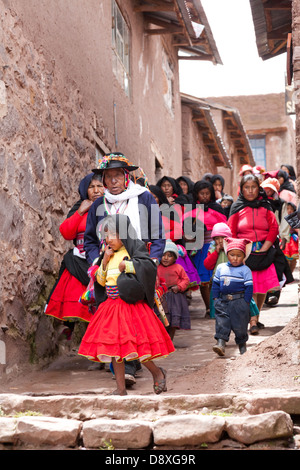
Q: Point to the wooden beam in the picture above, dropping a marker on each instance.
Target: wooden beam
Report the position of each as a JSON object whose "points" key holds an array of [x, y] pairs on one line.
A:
{"points": [[161, 31], [280, 33], [151, 8], [197, 57], [277, 5]]}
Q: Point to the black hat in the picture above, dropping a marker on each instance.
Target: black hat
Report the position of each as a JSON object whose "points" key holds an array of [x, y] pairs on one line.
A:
{"points": [[114, 160]]}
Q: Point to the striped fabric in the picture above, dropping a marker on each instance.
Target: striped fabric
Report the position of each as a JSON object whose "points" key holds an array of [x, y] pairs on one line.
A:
{"points": [[112, 292]]}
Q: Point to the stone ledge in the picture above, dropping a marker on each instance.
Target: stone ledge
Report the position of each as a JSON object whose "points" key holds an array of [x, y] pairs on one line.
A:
{"points": [[86, 407], [188, 430]]}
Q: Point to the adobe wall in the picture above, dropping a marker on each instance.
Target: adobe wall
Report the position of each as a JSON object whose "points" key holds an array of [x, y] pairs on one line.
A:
{"points": [[76, 36], [44, 152], [52, 90], [196, 160]]}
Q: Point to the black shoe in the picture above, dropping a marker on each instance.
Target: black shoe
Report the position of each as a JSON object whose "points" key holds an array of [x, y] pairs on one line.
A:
{"points": [[272, 300], [129, 380], [242, 348], [219, 348], [254, 330], [260, 325]]}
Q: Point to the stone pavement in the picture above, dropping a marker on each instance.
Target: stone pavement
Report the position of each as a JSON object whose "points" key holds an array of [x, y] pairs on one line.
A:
{"points": [[69, 373]]}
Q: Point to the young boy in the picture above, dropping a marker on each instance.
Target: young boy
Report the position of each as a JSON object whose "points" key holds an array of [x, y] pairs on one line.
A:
{"points": [[232, 290]]}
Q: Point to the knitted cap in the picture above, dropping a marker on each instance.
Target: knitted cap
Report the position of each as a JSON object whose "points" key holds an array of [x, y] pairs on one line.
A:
{"points": [[221, 230], [271, 183], [245, 168], [242, 244], [170, 246]]}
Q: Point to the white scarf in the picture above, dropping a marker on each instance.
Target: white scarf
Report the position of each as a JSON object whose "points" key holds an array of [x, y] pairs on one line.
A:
{"points": [[129, 200]]}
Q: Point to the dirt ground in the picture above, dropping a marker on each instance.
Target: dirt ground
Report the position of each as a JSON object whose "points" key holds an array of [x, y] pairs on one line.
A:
{"points": [[272, 360]]}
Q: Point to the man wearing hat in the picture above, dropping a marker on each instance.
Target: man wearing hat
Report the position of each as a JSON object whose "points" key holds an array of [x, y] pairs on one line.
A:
{"points": [[123, 196]]}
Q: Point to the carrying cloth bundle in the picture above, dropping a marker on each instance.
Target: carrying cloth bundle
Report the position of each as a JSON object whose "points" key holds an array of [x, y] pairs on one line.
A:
{"points": [[260, 260], [132, 287]]}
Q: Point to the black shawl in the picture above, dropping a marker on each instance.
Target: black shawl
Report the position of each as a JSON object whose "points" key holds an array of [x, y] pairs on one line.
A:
{"points": [[190, 185], [212, 204], [287, 183], [132, 287], [180, 198], [162, 198]]}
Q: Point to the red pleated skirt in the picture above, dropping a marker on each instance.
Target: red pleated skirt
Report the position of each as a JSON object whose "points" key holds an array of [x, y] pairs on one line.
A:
{"points": [[64, 302], [125, 331]]}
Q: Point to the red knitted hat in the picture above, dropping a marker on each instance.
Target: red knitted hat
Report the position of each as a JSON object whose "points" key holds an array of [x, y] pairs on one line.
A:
{"points": [[242, 244]]}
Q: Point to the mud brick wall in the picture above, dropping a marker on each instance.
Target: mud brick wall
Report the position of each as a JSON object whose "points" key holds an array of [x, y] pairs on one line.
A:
{"points": [[45, 149]]}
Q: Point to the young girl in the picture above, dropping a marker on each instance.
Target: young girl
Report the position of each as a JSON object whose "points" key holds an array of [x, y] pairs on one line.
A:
{"points": [[216, 254], [177, 283], [125, 326]]}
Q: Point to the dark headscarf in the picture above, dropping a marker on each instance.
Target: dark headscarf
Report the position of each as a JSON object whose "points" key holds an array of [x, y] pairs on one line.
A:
{"points": [[262, 199], [181, 199], [212, 204], [159, 194], [218, 177], [187, 180], [207, 176], [292, 173], [83, 190], [287, 183]]}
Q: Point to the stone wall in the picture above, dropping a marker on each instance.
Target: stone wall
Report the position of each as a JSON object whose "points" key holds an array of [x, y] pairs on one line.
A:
{"points": [[44, 152]]}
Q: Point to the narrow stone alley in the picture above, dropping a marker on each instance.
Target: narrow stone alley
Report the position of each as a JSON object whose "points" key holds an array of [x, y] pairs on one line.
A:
{"points": [[193, 369]]}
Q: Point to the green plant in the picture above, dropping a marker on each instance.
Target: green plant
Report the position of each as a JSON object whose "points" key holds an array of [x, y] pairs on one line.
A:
{"points": [[108, 445]]}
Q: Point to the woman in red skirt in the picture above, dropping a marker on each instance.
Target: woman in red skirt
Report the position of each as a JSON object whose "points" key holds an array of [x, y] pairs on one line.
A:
{"points": [[125, 325], [73, 278]]}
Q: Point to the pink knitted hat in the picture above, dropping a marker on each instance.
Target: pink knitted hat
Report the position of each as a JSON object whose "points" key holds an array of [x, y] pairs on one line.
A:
{"points": [[221, 230], [242, 244], [246, 168], [272, 183]]}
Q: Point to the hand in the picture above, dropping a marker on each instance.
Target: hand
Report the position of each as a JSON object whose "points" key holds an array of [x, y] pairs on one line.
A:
{"points": [[218, 247], [122, 266], [84, 206], [171, 200], [108, 253], [282, 244], [175, 289]]}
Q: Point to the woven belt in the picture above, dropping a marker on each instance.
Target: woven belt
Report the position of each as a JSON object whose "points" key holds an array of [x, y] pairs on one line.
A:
{"points": [[238, 295], [112, 292]]}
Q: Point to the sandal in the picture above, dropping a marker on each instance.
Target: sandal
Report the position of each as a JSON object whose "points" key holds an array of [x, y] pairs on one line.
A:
{"points": [[116, 392], [161, 385]]}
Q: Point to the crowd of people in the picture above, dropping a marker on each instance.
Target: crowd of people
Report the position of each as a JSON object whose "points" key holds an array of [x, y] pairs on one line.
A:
{"points": [[131, 273]]}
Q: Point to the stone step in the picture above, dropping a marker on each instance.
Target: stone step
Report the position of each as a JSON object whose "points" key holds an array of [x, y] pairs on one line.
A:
{"points": [[158, 422], [173, 431], [91, 406]]}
